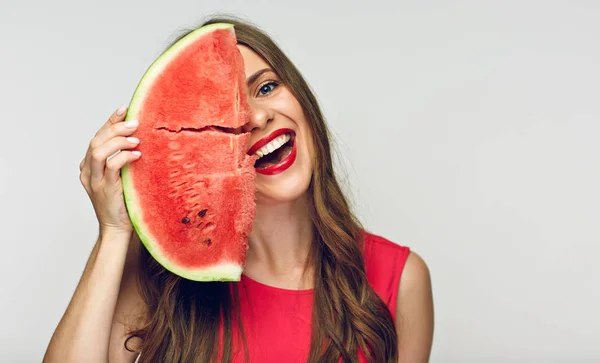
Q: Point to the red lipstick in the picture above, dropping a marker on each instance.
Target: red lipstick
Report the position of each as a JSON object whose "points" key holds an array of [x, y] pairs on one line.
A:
{"points": [[285, 163]]}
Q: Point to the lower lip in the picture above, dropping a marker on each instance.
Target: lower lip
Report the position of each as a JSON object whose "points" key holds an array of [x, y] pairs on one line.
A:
{"points": [[281, 166]]}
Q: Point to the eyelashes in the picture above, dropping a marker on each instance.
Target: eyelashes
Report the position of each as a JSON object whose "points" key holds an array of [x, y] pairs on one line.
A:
{"points": [[266, 88]]}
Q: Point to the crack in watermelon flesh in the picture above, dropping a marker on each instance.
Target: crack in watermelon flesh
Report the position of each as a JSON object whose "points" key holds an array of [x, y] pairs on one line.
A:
{"points": [[191, 194], [229, 130]]}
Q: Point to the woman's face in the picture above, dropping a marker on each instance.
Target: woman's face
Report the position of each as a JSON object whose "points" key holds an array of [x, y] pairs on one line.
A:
{"points": [[279, 134]]}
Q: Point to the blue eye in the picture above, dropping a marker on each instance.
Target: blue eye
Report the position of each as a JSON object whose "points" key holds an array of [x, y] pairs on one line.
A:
{"points": [[267, 88]]}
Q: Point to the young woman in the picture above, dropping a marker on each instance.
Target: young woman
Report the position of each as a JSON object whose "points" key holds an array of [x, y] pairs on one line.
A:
{"points": [[316, 287]]}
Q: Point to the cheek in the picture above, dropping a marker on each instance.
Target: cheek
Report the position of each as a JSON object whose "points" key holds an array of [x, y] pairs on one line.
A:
{"points": [[309, 145], [307, 138]]}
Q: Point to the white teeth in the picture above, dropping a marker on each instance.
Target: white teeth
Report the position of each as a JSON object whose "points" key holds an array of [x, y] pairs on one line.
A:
{"points": [[273, 145]]}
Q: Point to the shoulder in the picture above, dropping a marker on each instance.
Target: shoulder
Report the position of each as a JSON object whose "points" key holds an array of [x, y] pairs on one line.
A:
{"points": [[377, 248], [385, 262], [416, 277], [415, 311], [382, 254]]}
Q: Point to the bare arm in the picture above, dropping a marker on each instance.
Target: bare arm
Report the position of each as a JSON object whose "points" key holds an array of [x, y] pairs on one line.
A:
{"points": [[414, 311], [84, 331], [130, 308]]}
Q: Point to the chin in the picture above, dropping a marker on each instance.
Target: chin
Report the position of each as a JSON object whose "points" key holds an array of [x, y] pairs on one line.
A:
{"points": [[283, 188]]}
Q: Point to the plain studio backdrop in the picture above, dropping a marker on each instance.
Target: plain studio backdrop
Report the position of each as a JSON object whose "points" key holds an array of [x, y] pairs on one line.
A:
{"points": [[467, 130]]}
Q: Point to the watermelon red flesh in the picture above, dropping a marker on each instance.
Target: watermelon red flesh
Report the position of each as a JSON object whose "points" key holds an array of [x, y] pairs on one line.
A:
{"points": [[201, 86], [199, 177], [191, 194]]}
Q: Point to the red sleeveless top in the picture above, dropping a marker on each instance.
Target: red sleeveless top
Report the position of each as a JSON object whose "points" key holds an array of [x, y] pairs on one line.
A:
{"points": [[277, 322]]}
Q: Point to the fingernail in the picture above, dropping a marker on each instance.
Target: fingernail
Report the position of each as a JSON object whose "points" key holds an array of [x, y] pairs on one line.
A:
{"points": [[136, 153], [121, 110], [133, 140], [131, 124]]}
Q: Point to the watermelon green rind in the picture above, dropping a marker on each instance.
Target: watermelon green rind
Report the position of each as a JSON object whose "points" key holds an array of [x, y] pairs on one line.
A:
{"points": [[221, 272]]}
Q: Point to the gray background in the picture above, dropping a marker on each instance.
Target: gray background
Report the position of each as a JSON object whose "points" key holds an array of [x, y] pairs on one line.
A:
{"points": [[468, 131]]}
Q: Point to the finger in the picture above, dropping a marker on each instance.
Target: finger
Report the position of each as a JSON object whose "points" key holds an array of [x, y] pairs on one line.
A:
{"points": [[114, 165], [117, 116], [85, 181], [101, 154], [86, 171], [119, 129], [84, 175]]}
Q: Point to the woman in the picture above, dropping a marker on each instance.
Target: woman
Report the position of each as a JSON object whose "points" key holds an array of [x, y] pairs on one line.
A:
{"points": [[315, 287]]}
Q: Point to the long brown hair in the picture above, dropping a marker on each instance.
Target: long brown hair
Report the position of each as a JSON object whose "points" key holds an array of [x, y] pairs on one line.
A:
{"points": [[184, 317]]}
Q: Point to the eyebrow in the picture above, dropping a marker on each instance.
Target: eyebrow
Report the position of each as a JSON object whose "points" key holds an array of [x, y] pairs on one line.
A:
{"points": [[257, 75]]}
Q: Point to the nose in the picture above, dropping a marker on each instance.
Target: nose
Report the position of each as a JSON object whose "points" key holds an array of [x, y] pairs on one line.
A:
{"points": [[260, 116]]}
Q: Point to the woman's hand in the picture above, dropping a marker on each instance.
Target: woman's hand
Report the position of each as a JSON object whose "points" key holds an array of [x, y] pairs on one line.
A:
{"points": [[100, 175]]}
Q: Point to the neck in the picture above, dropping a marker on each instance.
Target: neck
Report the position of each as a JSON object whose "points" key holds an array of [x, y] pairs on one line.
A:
{"points": [[280, 242]]}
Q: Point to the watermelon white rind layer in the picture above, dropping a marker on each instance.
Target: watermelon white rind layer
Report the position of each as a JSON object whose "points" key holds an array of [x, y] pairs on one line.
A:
{"points": [[220, 272]]}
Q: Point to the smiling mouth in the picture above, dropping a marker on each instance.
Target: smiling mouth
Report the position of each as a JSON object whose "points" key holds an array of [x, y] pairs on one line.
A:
{"points": [[275, 151]]}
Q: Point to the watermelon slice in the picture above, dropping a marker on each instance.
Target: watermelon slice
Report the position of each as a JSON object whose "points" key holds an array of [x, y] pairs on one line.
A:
{"points": [[190, 196]]}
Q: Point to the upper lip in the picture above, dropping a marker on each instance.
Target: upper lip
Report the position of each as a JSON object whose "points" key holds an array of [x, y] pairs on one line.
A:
{"points": [[265, 140]]}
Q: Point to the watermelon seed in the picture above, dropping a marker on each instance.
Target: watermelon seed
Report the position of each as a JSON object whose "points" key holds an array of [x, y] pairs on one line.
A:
{"points": [[202, 213], [185, 220], [208, 242]]}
